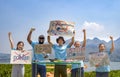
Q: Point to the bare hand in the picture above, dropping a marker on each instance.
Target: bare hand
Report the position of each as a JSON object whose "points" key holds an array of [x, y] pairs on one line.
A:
{"points": [[9, 33], [32, 29], [97, 65], [111, 37], [48, 31], [84, 30], [85, 66], [74, 32], [22, 50]]}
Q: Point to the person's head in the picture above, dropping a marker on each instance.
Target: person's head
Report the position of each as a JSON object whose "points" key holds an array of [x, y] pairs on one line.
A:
{"points": [[101, 47], [41, 39], [20, 45], [77, 44], [60, 40]]}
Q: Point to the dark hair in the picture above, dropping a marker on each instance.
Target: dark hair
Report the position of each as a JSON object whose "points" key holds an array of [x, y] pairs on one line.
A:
{"points": [[101, 44], [60, 37], [19, 43], [41, 37]]}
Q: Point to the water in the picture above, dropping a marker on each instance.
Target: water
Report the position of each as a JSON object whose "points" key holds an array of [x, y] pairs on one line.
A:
{"points": [[113, 65], [4, 61]]}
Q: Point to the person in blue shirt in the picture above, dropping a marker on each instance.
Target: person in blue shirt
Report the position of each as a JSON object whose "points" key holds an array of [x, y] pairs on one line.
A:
{"points": [[17, 69], [41, 68], [103, 70], [76, 67], [60, 53]]}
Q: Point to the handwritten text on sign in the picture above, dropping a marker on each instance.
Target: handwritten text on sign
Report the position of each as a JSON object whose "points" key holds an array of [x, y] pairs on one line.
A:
{"points": [[59, 27], [18, 57], [43, 48], [100, 58], [75, 53]]}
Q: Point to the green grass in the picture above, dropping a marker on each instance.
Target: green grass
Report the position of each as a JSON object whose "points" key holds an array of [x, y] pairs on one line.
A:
{"points": [[5, 71], [114, 73]]}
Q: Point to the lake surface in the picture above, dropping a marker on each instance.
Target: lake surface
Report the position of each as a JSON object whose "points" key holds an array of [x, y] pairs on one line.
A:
{"points": [[113, 65]]}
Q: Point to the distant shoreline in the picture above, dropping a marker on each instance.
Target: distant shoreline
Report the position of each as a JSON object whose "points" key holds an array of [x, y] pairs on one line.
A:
{"points": [[113, 65]]}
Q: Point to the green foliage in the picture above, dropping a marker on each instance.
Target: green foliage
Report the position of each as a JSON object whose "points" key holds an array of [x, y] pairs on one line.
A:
{"points": [[5, 71]]}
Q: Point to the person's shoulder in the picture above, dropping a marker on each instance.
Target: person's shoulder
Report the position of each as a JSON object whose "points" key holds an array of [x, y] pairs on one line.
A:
{"points": [[34, 43], [108, 52], [13, 49], [55, 45]]}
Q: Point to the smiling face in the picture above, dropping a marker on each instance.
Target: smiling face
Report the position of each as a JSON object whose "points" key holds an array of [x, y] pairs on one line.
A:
{"points": [[60, 40], [101, 47], [41, 39], [77, 44], [20, 45]]}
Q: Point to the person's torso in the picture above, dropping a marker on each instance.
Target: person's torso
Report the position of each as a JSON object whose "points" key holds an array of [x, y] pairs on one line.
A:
{"points": [[60, 51], [37, 57], [104, 68], [82, 49]]}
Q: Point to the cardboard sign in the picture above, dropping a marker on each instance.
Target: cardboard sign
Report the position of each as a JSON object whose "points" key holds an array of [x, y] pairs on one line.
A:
{"points": [[42, 48], [59, 27], [18, 57], [75, 54], [100, 58]]}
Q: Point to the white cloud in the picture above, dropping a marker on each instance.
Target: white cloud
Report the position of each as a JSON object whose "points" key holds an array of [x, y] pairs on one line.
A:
{"points": [[94, 29], [92, 26]]}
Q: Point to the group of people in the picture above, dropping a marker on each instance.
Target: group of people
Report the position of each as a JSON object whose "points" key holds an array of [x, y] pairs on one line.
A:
{"points": [[60, 53]]}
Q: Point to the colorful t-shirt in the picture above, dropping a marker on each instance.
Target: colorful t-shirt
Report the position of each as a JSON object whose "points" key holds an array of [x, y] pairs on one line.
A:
{"points": [[38, 57], [60, 51]]}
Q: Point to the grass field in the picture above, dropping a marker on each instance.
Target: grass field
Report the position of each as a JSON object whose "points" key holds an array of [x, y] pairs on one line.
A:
{"points": [[5, 71]]}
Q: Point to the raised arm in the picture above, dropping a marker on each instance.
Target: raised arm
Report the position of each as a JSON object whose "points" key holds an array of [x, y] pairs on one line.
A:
{"points": [[49, 41], [11, 40], [72, 41], [112, 45], [29, 35], [84, 40]]}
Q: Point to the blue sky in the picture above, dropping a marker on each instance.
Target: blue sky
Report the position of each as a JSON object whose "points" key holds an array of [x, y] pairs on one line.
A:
{"points": [[99, 17]]}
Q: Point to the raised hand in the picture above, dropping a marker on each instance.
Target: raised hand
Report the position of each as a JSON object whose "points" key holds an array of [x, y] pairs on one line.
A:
{"points": [[112, 45], [84, 30], [29, 35], [11, 40], [9, 34], [74, 32], [111, 37], [32, 29]]}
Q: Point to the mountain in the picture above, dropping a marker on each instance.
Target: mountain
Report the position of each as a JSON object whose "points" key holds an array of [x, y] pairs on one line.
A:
{"points": [[92, 46]]}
